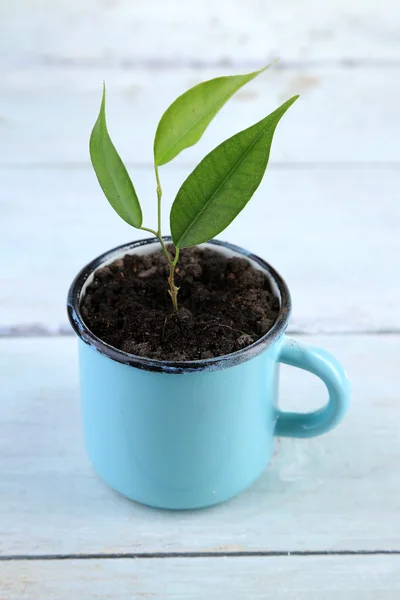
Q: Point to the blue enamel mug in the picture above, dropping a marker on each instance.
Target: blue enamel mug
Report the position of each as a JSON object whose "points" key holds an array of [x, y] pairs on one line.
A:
{"points": [[184, 435]]}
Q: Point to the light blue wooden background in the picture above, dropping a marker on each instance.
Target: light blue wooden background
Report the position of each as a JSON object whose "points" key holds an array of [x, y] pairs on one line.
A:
{"points": [[323, 521]]}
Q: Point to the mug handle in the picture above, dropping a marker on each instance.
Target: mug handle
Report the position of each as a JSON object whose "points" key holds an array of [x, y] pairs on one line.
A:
{"points": [[325, 366]]}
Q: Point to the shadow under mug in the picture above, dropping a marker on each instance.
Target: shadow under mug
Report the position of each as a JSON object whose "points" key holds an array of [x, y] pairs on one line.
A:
{"points": [[184, 435]]}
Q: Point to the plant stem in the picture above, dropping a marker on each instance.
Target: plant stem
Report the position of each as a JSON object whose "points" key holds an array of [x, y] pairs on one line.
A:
{"points": [[163, 246], [176, 256], [173, 290], [159, 196], [150, 230]]}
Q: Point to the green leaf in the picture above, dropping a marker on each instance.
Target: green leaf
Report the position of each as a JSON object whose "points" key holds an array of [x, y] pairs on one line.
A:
{"points": [[111, 172], [185, 121], [223, 182]]}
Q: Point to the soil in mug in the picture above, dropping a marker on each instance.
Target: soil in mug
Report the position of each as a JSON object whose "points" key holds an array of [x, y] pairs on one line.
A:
{"points": [[224, 305]]}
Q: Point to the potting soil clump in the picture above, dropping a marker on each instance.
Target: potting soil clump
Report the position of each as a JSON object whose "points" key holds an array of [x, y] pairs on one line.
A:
{"points": [[224, 305]]}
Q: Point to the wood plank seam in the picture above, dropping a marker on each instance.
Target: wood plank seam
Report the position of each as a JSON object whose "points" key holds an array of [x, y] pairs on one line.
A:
{"points": [[158, 555], [348, 165], [126, 63]]}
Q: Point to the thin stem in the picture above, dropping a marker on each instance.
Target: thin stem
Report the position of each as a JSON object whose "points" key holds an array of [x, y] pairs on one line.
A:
{"points": [[163, 246], [176, 256], [159, 196], [173, 290], [150, 230]]}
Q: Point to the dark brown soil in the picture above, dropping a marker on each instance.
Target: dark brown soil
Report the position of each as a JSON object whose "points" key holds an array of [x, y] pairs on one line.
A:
{"points": [[224, 305]]}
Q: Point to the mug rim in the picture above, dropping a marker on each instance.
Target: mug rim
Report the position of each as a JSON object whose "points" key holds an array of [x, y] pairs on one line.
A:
{"points": [[168, 366]]}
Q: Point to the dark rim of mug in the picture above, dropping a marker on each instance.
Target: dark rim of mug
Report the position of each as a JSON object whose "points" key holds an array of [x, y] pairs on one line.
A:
{"points": [[168, 366]]}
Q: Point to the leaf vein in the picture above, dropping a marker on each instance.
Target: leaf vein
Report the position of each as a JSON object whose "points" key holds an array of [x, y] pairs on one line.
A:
{"points": [[206, 114], [222, 183]]}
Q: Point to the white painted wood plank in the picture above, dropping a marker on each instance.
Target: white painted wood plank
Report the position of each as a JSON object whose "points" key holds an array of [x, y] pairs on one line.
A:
{"points": [[119, 31], [343, 115], [336, 492], [280, 578], [331, 232]]}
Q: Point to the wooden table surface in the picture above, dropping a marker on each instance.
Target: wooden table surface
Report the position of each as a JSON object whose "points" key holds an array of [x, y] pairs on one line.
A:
{"points": [[323, 521]]}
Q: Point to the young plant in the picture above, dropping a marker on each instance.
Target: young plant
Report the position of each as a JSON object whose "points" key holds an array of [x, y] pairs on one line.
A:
{"points": [[219, 187]]}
